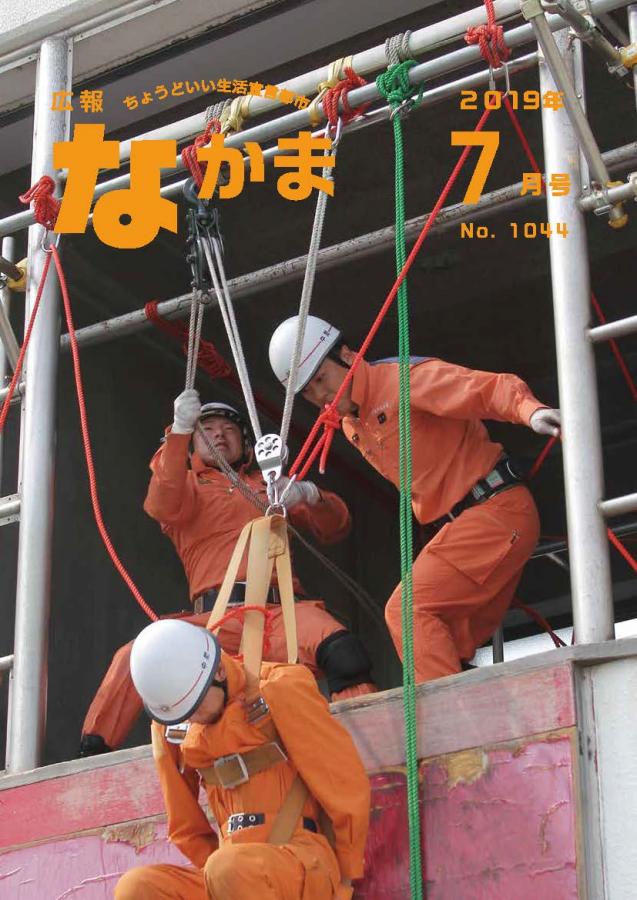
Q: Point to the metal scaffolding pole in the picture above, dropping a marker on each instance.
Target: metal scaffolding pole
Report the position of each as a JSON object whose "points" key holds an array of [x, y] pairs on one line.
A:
{"points": [[616, 329], [7, 249], [619, 506], [429, 38], [424, 40], [582, 448], [29, 676], [632, 31], [270, 277]]}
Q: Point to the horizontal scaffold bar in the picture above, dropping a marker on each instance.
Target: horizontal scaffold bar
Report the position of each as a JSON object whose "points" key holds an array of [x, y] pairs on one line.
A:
{"points": [[613, 329], [330, 257], [619, 506]]}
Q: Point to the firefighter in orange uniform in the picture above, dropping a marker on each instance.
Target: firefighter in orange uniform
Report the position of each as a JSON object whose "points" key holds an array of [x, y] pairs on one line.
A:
{"points": [[465, 488], [271, 779], [203, 515]]}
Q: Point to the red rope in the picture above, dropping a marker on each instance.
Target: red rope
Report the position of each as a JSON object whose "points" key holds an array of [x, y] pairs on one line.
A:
{"points": [[340, 92], [45, 206], [189, 153], [27, 337], [621, 362], [541, 621], [490, 38], [239, 612], [617, 544], [330, 414], [612, 537], [539, 462], [209, 359], [88, 453]]}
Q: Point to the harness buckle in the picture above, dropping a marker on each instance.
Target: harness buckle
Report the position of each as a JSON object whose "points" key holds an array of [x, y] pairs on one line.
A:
{"points": [[257, 710], [239, 760], [176, 734]]}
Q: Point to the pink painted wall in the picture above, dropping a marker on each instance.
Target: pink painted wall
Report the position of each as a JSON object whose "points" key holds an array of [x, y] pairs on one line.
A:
{"points": [[498, 825], [80, 868], [499, 820], [508, 832]]}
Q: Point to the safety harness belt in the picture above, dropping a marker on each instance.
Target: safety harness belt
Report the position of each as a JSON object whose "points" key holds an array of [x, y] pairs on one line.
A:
{"points": [[269, 548]]}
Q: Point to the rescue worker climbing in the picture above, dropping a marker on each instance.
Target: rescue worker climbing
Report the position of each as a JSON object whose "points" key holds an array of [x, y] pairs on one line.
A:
{"points": [[271, 779], [203, 515], [484, 521]]}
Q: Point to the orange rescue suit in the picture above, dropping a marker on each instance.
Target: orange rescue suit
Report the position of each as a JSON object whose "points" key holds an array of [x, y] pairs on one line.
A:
{"points": [[465, 578], [204, 514], [242, 865]]}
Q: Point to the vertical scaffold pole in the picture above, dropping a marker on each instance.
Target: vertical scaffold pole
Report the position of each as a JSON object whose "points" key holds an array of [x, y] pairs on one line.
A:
{"points": [[7, 249], [582, 449], [632, 31], [37, 459]]}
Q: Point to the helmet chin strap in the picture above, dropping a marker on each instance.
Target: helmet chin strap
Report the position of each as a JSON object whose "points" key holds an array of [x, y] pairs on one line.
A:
{"points": [[223, 685]]}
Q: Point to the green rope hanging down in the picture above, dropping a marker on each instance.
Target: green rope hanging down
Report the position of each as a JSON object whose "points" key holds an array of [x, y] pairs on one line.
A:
{"points": [[395, 87]]}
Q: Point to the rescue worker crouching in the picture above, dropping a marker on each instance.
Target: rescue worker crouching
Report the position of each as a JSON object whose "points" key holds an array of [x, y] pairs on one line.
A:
{"points": [[464, 487], [267, 779], [203, 514]]}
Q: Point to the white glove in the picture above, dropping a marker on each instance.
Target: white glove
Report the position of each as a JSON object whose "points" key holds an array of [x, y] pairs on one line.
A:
{"points": [[299, 492], [546, 421], [187, 411]]}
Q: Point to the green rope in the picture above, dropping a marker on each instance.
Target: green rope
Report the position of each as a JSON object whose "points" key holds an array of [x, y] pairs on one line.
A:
{"points": [[394, 85]]}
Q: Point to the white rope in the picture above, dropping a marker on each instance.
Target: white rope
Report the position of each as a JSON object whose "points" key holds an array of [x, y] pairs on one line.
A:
{"points": [[220, 283], [194, 337], [397, 48], [306, 293]]}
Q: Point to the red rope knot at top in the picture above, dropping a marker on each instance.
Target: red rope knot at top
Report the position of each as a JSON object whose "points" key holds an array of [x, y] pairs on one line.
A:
{"points": [[339, 93], [45, 206], [209, 359], [490, 38], [189, 153]]}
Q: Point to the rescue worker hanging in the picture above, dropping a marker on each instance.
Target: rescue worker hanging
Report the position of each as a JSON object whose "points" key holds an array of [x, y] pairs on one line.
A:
{"points": [[267, 777]]}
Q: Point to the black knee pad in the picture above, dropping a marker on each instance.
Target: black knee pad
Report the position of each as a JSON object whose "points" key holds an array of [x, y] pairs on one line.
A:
{"points": [[344, 660]]}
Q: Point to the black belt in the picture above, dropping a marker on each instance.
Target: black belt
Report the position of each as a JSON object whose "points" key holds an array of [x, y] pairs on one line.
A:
{"points": [[239, 821], [502, 477], [204, 602]]}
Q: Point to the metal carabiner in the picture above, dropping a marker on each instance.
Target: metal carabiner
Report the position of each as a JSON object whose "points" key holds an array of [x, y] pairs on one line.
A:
{"points": [[55, 243], [507, 77], [403, 108], [338, 133], [491, 78], [276, 509]]}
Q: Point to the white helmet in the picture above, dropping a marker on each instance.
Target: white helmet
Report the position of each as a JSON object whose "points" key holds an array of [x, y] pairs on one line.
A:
{"points": [[173, 664], [318, 340]]}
